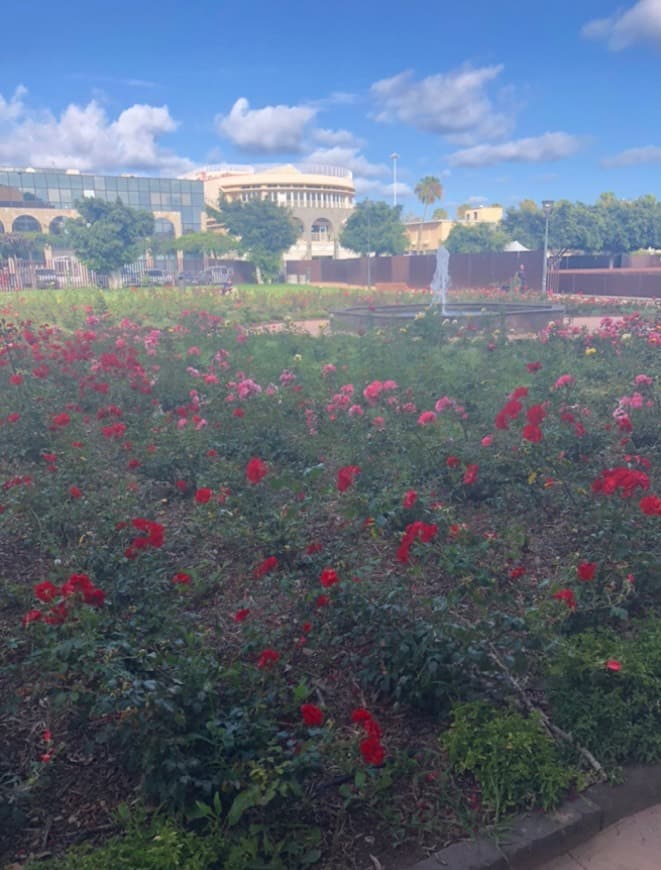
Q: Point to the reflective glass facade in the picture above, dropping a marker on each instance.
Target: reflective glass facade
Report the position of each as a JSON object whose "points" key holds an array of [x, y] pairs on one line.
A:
{"points": [[45, 188]]}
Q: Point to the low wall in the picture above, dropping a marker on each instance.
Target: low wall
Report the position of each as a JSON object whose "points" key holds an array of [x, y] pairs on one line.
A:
{"points": [[644, 283]]}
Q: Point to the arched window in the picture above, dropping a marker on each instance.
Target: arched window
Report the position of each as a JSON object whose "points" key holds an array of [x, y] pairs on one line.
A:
{"points": [[164, 228], [26, 224], [322, 230], [2, 229], [56, 227]]}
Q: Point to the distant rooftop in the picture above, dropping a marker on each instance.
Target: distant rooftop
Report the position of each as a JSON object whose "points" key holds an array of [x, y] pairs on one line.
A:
{"points": [[214, 170]]}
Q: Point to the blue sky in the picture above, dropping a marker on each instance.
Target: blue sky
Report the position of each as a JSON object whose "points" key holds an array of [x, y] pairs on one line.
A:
{"points": [[501, 101]]}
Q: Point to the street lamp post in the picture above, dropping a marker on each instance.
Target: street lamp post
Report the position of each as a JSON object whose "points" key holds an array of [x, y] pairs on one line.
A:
{"points": [[394, 157], [369, 242], [547, 208]]}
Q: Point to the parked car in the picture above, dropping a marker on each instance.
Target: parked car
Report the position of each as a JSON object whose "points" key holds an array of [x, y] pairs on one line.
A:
{"points": [[46, 278], [188, 279], [156, 277]]}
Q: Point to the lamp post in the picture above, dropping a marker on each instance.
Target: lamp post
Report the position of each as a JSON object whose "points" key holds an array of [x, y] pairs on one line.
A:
{"points": [[394, 157], [369, 241], [547, 208]]}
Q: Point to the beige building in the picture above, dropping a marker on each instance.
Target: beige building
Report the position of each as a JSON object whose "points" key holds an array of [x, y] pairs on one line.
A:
{"points": [[321, 198], [433, 233]]}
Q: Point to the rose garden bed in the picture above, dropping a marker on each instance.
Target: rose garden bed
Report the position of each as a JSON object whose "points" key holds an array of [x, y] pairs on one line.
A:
{"points": [[288, 601]]}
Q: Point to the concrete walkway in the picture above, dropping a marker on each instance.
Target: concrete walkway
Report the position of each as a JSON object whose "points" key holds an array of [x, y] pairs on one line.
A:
{"points": [[634, 843]]}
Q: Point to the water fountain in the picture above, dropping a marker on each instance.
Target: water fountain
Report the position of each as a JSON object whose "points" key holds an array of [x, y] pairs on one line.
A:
{"points": [[514, 316]]}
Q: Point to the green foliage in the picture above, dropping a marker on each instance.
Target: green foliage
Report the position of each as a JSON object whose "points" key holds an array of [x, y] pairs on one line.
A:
{"points": [[265, 231], [615, 713], [469, 239], [512, 758], [374, 227], [158, 842], [610, 225], [212, 244], [23, 246], [108, 235]]}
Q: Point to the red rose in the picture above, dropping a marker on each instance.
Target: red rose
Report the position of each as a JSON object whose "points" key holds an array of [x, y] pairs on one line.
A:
{"points": [[329, 578], [345, 477], [312, 715], [586, 570], [256, 470], [203, 495], [268, 658]]}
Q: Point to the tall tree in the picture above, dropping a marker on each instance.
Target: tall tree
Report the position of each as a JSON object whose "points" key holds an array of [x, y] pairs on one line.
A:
{"points": [[213, 244], [107, 235], [476, 238], [375, 227], [264, 231], [428, 190], [440, 214]]}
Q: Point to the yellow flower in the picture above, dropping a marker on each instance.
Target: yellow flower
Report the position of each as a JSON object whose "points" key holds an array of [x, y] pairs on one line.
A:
{"points": [[590, 350], [297, 357]]}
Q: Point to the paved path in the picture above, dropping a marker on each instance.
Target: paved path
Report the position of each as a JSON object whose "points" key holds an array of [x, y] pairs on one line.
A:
{"points": [[633, 843]]}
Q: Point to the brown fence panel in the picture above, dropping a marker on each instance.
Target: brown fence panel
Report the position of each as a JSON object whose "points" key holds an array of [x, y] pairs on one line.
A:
{"points": [[466, 270], [645, 283]]}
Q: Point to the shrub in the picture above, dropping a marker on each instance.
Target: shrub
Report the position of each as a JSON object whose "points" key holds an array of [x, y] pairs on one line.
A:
{"points": [[604, 689], [512, 758]]}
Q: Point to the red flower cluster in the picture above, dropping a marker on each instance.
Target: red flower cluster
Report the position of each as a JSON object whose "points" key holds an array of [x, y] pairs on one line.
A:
{"points": [[370, 747], [415, 531], [410, 498], [470, 474], [77, 586], [153, 535], [269, 564], [268, 657], [203, 495], [624, 480], [312, 715], [346, 476], [567, 596], [650, 505], [242, 614], [586, 570], [329, 578], [256, 470], [181, 578]]}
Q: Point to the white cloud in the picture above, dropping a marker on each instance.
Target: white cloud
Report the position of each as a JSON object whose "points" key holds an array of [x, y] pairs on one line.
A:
{"points": [[270, 130], [12, 108], [83, 138], [331, 138], [377, 189], [535, 149], [640, 23], [347, 157], [635, 156], [454, 104]]}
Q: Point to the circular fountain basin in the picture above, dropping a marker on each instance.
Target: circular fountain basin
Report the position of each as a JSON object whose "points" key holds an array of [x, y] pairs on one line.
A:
{"points": [[517, 317]]}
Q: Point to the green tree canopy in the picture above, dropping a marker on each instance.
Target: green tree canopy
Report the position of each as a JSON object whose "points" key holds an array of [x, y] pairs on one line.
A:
{"points": [[611, 225], [107, 235], [22, 246], [375, 227], [440, 214], [262, 230], [476, 238], [213, 244]]}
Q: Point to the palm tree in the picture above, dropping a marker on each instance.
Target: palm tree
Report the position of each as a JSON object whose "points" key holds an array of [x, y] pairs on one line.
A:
{"points": [[428, 190]]}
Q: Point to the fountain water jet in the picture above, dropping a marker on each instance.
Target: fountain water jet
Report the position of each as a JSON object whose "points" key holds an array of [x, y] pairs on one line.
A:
{"points": [[519, 316]]}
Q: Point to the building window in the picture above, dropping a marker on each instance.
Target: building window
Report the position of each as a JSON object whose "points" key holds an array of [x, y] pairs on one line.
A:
{"points": [[26, 224], [322, 231], [164, 228]]}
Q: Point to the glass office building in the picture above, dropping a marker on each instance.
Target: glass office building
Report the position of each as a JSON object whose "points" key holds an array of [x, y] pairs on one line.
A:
{"points": [[36, 189]]}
